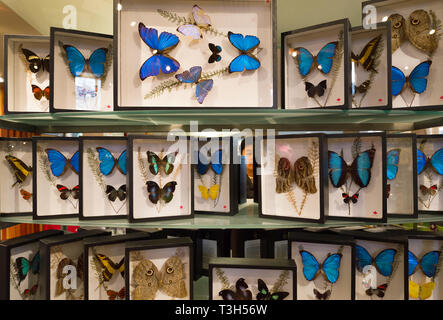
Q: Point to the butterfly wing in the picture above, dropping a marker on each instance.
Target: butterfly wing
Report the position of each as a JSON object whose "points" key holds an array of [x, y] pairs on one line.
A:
{"points": [[168, 191], [418, 30], [35, 263], [213, 191], [384, 261], [75, 192], [111, 192], [427, 290], [429, 263], [168, 162], [331, 267], [154, 162], [75, 162], [159, 63], [361, 168], [122, 161], [393, 157], [414, 290], [76, 60], [243, 44], [203, 164], [107, 160], [305, 60], [263, 291], [398, 81], [421, 161], [437, 161], [311, 266], [321, 88], [242, 62], [217, 162], [310, 89], [97, 62], [190, 30], [325, 57], [363, 258], [202, 89], [191, 76], [227, 294], [398, 29], [46, 93], [108, 266], [121, 192], [418, 80], [23, 267], [204, 192], [58, 162], [337, 169], [154, 191], [412, 263]]}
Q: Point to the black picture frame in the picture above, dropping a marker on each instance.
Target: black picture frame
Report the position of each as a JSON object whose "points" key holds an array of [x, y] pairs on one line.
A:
{"points": [[82, 182], [160, 244], [53, 30], [346, 57]]}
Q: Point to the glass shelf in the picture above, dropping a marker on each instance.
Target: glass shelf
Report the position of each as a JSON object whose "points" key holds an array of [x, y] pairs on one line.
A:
{"points": [[164, 120], [247, 218]]}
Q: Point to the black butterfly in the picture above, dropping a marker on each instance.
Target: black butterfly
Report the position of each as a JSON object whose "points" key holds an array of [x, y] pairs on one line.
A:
{"points": [[65, 192], [318, 90], [114, 193], [156, 193], [241, 292], [322, 296], [35, 62], [215, 57], [380, 291], [347, 198], [264, 294], [361, 88]]}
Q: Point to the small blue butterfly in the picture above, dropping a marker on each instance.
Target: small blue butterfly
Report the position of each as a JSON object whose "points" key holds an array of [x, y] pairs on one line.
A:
{"points": [[436, 161], [193, 76], [246, 45], [323, 61], [330, 267], [417, 80], [59, 163], [383, 261], [160, 62], [216, 163], [393, 158], [108, 162], [428, 263], [77, 61]]}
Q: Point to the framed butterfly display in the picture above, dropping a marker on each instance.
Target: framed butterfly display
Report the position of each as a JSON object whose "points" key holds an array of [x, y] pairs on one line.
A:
{"points": [[429, 173], [104, 178], [292, 178], [416, 50], [26, 74], [56, 189], [160, 179], [325, 266], [82, 73], [159, 269], [252, 279], [16, 169], [183, 54], [357, 177], [371, 67], [315, 72], [20, 266], [401, 188]]}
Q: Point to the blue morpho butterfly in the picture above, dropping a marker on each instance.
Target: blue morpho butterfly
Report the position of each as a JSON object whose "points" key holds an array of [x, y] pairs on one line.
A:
{"points": [[436, 161], [193, 76], [417, 80], [428, 263], [330, 267], [59, 163], [246, 45], [323, 61], [160, 62], [360, 169], [108, 162], [77, 61], [24, 266], [215, 163], [383, 262], [393, 158]]}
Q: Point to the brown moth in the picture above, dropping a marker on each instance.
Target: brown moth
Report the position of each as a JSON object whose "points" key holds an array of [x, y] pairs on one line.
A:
{"points": [[146, 278], [303, 175], [398, 30], [172, 278], [283, 183], [418, 30]]}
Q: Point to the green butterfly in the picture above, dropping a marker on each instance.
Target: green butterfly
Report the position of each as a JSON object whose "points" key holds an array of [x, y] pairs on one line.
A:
{"points": [[156, 164], [24, 266]]}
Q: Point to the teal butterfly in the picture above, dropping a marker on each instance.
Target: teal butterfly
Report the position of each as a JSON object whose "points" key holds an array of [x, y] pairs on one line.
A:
{"points": [[24, 266]]}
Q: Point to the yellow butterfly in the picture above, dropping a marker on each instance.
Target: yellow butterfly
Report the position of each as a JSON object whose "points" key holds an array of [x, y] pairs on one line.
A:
{"points": [[212, 192], [421, 292]]}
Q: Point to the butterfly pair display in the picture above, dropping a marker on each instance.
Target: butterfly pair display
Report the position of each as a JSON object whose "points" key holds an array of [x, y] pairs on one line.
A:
{"points": [[148, 280], [302, 173], [243, 293]]}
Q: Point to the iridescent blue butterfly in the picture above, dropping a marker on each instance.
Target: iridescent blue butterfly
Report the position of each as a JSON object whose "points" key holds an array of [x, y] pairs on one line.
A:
{"points": [[193, 76], [383, 262], [393, 158], [329, 268], [428, 263], [323, 61], [216, 163], [59, 163], [77, 61], [360, 169], [436, 161], [108, 162], [160, 62], [417, 80], [246, 45]]}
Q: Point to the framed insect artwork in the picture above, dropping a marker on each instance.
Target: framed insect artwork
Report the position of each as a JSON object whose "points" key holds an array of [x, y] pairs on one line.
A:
{"points": [[16, 168], [325, 265], [315, 69], [20, 266], [62, 265], [185, 54], [104, 178], [292, 175], [416, 32], [430, 173], [401, 175], [160, 179], [56, 189], [82, 72], [252, 279], [160, 269], [371, 67], [357, 177], [26, 74]]}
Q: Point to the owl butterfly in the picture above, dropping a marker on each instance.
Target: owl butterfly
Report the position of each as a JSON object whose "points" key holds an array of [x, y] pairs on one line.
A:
{"points": [[304, 175], [59, 288], [283, 182], [172, 278], [146, 277]]}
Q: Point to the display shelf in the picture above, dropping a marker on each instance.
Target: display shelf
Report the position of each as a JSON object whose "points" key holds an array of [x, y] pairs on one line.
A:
{"points": [[164, 120], [247, 218]]}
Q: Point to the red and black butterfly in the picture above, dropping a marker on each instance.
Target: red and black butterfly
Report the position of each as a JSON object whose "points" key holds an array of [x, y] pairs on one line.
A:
{"points": [[265, 294], [114, 294], [432, 190], [379, 291], [65, 192], [347, 198], [322, 296], [241, 292], [31, 292]]}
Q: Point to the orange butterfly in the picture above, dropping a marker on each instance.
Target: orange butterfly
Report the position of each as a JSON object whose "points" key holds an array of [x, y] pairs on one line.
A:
{"points": [[113, 294], [39, 93], [26, 195]]}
